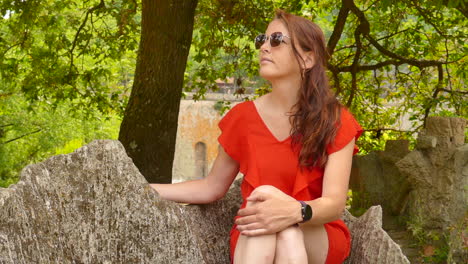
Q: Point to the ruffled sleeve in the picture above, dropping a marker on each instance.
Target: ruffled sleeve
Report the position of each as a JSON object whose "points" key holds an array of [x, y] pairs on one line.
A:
{"points": [[349, 128], [232, 133]]}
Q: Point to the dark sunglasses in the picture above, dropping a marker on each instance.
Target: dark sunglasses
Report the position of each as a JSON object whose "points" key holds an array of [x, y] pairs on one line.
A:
{"points": [[275, 39]]}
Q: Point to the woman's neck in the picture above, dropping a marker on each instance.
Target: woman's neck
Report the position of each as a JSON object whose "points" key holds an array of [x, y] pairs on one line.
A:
{"points": [[284, 93]]}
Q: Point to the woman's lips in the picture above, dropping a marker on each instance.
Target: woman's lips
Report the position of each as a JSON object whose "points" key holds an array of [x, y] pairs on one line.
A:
{"points": [[265, 60]]}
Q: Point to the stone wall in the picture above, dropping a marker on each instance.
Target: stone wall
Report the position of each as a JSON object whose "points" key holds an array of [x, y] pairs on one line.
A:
{"points": [[198, 124], [93, 206]]}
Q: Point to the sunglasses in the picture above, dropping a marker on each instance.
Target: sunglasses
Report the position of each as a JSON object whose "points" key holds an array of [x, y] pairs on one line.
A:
{"points": [[275, 39]]}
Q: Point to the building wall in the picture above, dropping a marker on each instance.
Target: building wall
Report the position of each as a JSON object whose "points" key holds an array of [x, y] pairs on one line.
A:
{"points": [[198, 124]]}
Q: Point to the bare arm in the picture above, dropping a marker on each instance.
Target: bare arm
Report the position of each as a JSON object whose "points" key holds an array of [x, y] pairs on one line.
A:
{"points": [[205, 190], [330, 206]]}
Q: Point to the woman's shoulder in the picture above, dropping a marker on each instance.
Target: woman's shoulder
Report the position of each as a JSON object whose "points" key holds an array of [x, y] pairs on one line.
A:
{"points": [[348, 129], [239, 108], [347, 118]]}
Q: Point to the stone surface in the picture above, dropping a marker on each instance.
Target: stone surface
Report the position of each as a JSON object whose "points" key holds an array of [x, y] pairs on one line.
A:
{"points": [[371, 244], [375, 180], [438, 174], [198, 123], [93, 206]]}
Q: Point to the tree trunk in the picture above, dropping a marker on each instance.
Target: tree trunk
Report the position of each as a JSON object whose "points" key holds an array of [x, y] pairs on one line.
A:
{"points": [[149, 127]]}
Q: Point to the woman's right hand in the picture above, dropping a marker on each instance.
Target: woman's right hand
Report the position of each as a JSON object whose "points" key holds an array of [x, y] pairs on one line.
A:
{"points": [[206, 190]]}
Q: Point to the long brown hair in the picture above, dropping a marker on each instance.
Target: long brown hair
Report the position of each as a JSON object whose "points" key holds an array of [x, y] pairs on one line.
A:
{"points": [[314, 122]]}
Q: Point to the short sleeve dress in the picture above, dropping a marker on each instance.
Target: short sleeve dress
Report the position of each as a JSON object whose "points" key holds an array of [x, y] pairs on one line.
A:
{"points": [[265, 160]]}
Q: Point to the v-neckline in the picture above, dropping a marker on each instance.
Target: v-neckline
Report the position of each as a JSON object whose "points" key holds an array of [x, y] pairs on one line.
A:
{"points": [[265, 125]]}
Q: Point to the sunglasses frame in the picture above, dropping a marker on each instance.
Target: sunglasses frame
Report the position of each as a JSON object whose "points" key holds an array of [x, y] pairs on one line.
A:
{"points": [[275, 41]]}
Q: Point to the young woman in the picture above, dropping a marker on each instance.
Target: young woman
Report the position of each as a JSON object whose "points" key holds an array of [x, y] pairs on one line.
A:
{"points": [[294, 146]]}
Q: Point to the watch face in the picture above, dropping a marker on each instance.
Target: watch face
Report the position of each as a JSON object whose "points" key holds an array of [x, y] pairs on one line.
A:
{"points": [[308, 213]]}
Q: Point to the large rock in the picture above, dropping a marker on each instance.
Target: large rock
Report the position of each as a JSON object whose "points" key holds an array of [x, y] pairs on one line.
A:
{"points": [[375, 179], [438, 174], [371, 244], [93, 206]]}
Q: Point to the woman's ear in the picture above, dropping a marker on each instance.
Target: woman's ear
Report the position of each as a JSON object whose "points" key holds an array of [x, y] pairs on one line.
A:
{"points": [[309, 60]]}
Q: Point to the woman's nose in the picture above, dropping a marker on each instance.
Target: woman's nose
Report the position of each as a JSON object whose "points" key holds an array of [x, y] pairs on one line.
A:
{"points": [[266, 46]]}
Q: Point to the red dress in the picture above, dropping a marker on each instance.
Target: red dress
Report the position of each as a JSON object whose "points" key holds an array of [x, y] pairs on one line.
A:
{"points": [[264, 160]]}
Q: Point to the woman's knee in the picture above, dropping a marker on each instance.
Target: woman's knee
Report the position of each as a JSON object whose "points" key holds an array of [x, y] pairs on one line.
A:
{"points": [[290, 246], [257, 249], [263, 189], [291, 234]]}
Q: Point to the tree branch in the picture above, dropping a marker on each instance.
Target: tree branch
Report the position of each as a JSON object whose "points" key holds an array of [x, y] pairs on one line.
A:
{"points": [[355, 65], [5, 94], [14, 139], [336, 80], [365, 30], [379, 39], [451, 91], [423, 13], [388, 129], [438, 88], [370, 67], [21, 43], [92, 9], [338, 30]]}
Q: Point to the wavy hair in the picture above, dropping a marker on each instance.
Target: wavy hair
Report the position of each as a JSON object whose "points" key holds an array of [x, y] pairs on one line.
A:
{"points": [[317, 112]]}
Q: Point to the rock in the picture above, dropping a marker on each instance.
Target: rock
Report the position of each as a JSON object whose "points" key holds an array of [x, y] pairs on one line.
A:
{"points": [[375, 180], [370, 243], [438, 176], [450, 130], [93, 206], [426, 142]]}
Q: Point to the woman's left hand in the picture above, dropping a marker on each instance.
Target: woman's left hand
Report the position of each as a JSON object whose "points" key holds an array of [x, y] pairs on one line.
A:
{"points": [[269, 211]]}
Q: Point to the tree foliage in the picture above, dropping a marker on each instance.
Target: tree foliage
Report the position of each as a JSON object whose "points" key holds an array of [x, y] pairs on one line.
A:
{"points": [[65, 71], [390, 60], [52, 51]]}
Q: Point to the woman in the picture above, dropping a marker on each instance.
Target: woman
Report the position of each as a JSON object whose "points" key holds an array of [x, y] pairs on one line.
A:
{"points": [[294, 146]]}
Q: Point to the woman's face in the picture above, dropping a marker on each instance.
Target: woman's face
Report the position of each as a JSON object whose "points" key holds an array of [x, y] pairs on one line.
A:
{"points": [[278, 62]]}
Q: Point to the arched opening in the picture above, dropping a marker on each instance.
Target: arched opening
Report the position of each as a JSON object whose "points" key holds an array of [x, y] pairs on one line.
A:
{"points": [[200, 160]]}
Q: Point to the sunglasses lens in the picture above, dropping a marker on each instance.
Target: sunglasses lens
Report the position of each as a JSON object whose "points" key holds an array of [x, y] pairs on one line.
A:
{"points": [[276, 38], [259, 40]]}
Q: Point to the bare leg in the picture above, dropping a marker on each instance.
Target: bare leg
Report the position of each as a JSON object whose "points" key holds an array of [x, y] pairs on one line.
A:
{"points": [[256, 249], [290, 247], [316, 243]]}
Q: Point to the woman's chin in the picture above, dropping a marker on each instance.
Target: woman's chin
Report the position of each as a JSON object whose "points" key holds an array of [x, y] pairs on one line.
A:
{"points": [[267, 74]]}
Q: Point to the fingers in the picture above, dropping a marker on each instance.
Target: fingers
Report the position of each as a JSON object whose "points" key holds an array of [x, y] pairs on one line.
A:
{"points": [[246, 220], [249, 227], [258, 196], [247, 211], [255, 232]]}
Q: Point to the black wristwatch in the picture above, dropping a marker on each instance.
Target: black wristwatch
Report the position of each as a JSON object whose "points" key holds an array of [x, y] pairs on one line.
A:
{"points": [[306, 211]]}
